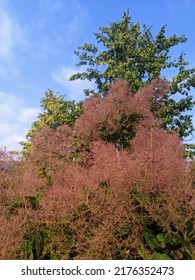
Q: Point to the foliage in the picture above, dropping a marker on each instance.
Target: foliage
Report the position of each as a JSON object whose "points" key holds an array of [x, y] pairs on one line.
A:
{"points": [[131, 52], [56, 111], [100, 189], [189, 150]]}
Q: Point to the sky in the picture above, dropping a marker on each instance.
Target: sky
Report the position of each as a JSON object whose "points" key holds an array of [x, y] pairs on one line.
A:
{"points": [[37, 43]]}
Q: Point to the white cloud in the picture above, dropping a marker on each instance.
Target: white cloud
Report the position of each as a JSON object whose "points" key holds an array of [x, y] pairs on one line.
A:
{"points": [[11, 35], [9, 105], [15, 120], [10, 136], [27, 115], [4, 129], [12, 38], [11, 141], [74, 88]]}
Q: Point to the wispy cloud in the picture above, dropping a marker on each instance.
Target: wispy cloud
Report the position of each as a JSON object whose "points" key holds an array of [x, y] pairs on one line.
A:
{"points": [[12, 38], [75, 88], [9, 105], [15, 120], [77, 22], [10, 136], [11, 35], [27, 115], [73, 18]]}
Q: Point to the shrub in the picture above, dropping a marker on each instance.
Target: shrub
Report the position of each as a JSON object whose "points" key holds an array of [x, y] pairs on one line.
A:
{"points": [[114, 186]]}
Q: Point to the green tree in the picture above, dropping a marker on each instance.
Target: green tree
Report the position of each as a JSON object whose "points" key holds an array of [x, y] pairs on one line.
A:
{"points": [[131, 52], [56, 111]]}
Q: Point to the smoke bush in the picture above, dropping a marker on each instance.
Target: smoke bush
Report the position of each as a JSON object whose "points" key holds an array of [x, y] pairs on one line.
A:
{"points": [[114, 186]]}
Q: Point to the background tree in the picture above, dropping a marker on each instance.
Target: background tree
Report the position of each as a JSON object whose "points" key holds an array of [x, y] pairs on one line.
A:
{"points": [[56, 111], [132, 53]]}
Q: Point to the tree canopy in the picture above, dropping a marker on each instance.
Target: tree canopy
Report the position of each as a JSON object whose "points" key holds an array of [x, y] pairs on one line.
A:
{"points": [[131, 52], [56, 111]]}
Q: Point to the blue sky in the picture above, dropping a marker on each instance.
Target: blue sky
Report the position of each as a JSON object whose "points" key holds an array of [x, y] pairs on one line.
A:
{"points": [[37, 43]]}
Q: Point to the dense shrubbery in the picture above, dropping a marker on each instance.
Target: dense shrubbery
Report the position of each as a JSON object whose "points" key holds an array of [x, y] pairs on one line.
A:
{"points": [[113, 186]]}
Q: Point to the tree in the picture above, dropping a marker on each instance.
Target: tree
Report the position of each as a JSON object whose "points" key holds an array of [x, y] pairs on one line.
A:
{"points": [[132, 53], [56, 111]]}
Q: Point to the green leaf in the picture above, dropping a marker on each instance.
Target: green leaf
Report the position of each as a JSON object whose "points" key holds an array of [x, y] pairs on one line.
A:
{"points": [[151, 240], [161, 237], [31, 257], [158, 256]]}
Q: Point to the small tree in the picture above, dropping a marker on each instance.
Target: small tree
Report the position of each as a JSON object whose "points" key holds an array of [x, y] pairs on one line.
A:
{"points": [[56, 111]]}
